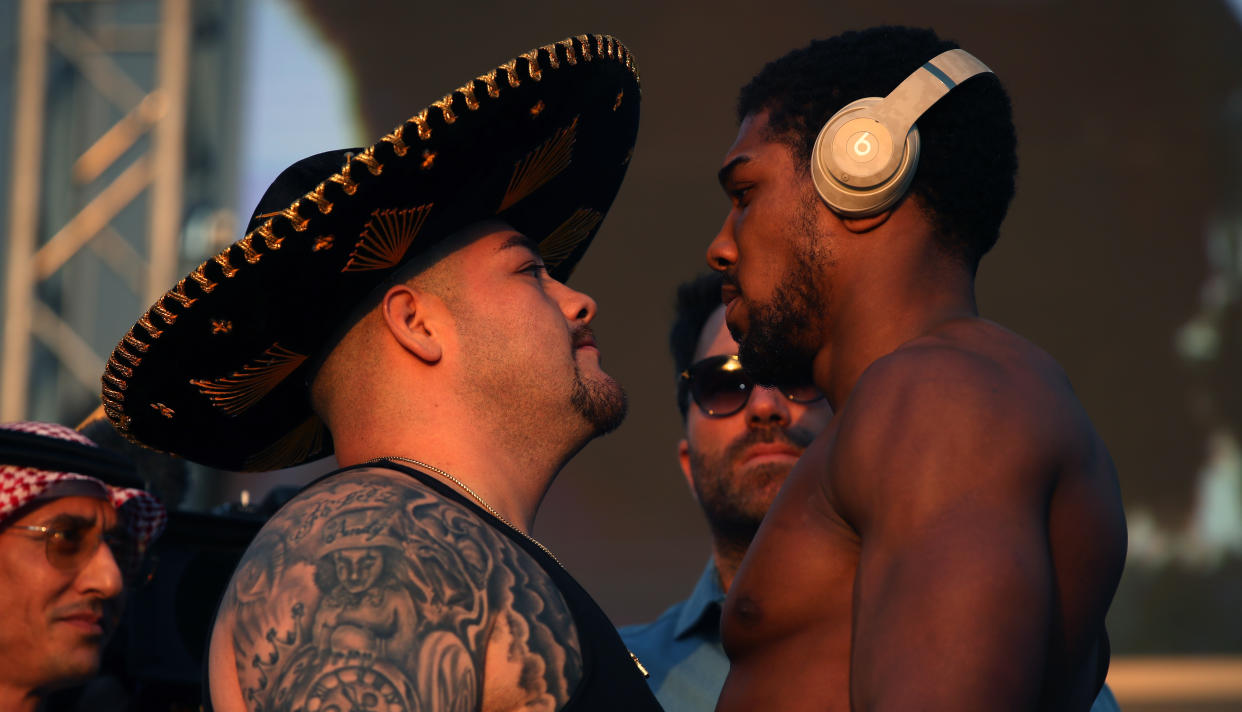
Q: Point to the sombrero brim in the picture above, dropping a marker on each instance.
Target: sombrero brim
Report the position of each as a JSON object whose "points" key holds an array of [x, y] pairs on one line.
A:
{"points": [[216, 371]]}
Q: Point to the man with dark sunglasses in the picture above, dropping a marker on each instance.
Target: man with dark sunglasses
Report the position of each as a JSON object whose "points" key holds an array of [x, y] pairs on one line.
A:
{"points": [[70, 545], [740, 442]]}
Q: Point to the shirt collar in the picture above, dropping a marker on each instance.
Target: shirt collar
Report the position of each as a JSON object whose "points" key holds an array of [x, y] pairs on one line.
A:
{"points": [[703, 606]]}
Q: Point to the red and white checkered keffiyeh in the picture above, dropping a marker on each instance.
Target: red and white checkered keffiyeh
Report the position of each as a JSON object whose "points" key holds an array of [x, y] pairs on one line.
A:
{"points": [[143, 514]]}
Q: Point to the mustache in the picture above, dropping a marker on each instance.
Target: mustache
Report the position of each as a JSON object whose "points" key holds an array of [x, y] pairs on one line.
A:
{"points": [[583, 336], [794, 437]]}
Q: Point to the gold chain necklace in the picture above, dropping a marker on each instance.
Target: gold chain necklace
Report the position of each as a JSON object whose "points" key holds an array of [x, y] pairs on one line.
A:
{"points": [[475, 495]]}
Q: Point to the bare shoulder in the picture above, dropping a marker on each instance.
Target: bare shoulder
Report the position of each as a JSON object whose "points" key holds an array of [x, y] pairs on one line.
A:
{"points": [[371, 586], [970, 408]]}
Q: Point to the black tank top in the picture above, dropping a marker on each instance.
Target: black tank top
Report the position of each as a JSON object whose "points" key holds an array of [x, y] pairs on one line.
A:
{"points": [[610, 679]]}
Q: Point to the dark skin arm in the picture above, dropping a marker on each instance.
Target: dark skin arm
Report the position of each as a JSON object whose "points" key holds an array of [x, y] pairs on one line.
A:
{"points": [[954, 591], [371, 588]]}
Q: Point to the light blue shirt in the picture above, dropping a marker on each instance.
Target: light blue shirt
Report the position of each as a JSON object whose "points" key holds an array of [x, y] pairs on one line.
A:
{"points": [[682, 651]]}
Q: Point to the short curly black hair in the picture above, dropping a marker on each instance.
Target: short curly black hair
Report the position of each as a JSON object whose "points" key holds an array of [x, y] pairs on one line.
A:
{"points": [[968, 161], [696, 300]]}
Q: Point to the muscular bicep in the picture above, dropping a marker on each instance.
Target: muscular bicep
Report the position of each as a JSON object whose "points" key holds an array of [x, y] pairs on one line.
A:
{"points": [[954, 587], [372, 592], [952, 613]]}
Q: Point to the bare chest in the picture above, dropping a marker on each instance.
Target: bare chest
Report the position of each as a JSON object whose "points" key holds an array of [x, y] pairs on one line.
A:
{"points": [[792, 598]]}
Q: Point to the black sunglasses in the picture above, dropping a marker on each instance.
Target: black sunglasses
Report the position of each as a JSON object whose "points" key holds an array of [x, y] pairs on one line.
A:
{"points": [[720, 387]]}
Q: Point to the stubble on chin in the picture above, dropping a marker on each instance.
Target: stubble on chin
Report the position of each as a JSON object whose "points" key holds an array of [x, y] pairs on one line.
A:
{"points": [[600, 401], [780, 341]]}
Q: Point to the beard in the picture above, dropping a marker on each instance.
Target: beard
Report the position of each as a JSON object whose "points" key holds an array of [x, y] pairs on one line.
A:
{"points": [[601, 402], [780, 345], [734, 501]]}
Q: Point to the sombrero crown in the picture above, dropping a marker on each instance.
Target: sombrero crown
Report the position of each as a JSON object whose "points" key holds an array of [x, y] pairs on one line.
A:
{"points": [[216, 370]]}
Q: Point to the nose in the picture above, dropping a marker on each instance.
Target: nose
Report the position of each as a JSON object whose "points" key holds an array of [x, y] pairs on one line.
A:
{"points": [[101, 575], [722, 251], [766, 407], [576, 306]]}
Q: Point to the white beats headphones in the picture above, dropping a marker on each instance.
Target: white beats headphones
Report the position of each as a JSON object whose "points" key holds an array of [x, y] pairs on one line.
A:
{"points": [[855, 166]]}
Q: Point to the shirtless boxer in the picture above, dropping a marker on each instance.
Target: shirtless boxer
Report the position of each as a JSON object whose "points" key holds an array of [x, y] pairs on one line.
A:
{"points": [[954, 538]]}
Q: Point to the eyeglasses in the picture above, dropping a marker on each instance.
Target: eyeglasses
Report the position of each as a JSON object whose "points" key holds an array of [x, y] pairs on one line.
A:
{"points": [[70, 546], [720, 387]]}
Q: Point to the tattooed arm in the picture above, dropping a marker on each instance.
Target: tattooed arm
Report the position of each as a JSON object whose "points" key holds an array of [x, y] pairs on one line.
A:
{"points": [[371, 591]]}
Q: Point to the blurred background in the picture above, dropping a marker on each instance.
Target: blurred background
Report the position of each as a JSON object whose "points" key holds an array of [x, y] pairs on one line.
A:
{"points": [[136, 136]]}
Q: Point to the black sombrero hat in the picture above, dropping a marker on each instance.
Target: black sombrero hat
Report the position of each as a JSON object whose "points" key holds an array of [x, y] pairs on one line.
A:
{"points": [[216, 370]]}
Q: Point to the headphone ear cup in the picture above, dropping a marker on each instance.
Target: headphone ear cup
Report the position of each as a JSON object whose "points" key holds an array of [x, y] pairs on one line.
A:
{"points": [[854, 164]]}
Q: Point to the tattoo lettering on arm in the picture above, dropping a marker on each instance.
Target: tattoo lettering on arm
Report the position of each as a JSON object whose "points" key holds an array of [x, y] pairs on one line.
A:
{"points": [[372, 592]]}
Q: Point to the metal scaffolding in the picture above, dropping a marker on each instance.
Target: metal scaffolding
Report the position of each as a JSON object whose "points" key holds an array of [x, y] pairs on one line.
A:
{"points": [[98, 181]]}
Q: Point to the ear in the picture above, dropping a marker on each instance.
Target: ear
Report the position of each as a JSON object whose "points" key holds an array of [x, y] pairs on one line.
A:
{"points": [[683, 458], [867, 224], [412, 319]]}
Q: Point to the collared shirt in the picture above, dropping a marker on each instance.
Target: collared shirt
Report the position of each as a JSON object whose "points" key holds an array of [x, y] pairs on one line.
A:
{"points": [[682, 651]]}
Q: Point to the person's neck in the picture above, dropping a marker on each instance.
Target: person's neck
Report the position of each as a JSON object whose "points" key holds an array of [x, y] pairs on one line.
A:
{"points": [[727, 555], [20, 699], [512, 481], [877, 320]]}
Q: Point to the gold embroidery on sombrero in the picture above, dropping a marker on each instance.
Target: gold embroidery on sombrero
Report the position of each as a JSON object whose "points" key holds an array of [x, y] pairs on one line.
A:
{"points": [[560, 243], [222, 259], [125, 371], [264, 230], [537, 109], [489, 80], [146, 323], [429, 159], [629, 156], [237, 392], [541, 165], [114, 397], [347, 184], [163, 410], [247, 246], [367, 158], [617, 104], [295, 446], [586, 47], [397, 140], [117, 416], [445, 105], [532, 64], [386, 237], [159, 308], [178, 294], [131, 359], [117, 383], [200, 277], [420, 121], [295, 219], [571, 51], [316, 196], [467, 93], [221, 326], [323, 242], [139, 346]]}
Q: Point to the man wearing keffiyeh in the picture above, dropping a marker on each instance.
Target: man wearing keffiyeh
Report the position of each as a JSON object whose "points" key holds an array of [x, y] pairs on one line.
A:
{"points": [[70, 545]]}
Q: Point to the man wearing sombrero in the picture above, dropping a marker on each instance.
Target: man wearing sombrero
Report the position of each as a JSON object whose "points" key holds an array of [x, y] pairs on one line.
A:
{"points": [[70, 544], [403, 305]]}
